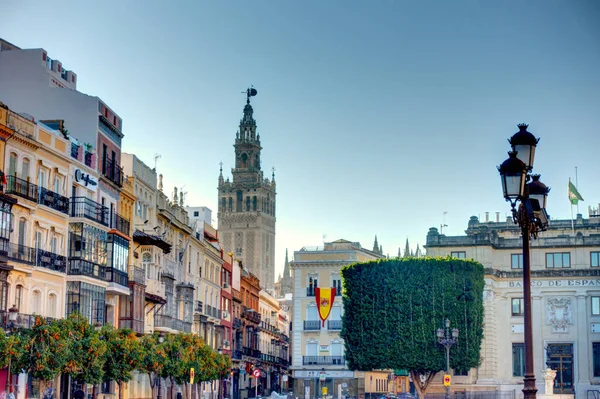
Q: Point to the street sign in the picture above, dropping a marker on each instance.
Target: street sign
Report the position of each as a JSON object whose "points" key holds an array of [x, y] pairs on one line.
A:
{"points": [[284, 378], [256, 373], [446, 380], [322, 376], [192, 375]]}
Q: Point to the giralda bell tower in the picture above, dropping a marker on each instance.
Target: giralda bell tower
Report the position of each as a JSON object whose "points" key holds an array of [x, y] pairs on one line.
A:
{"points": [[247, 204]]}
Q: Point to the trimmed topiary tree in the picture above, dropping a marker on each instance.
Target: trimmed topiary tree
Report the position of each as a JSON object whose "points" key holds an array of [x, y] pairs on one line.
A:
{"points": [[393, 307]]}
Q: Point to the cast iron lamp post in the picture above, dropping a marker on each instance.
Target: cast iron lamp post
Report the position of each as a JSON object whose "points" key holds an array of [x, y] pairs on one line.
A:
{"points": [[531, 217], [447, 339], [13, 315], [161, 339]]}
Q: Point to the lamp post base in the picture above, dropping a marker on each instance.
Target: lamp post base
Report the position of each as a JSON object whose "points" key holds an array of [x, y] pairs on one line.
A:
{"points": [[530, 390], [447, 392]]}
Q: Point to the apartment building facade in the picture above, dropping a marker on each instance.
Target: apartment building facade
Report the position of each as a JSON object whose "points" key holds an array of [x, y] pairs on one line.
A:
{"points": [[565, 270], [318, 363]]}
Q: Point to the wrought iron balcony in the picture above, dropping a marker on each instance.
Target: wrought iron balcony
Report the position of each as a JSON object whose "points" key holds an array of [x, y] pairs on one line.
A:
{"points": [[237, 323], [74, 150], [267, 358], [117, 276], [166, 321], [20, 253], [119, 223], [53, 200], [252, 352], [199, 307], [136, 325], [323, 360], [137, 275], [23, 320], [312, 325], [22, 188], [81, 267], [236, 355], [36, 257], [334, 324], [87, 208], [112, 171]]}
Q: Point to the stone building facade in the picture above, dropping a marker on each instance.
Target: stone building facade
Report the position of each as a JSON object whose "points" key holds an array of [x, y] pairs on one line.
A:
{"points": [[247, 205], [565, 298]]}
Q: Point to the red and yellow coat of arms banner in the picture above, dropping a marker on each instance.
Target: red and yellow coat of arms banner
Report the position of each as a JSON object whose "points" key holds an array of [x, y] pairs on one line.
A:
{"points": [[324, 297]]}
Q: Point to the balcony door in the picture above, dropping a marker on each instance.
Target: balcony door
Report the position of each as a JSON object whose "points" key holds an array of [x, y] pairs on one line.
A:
{"points": [[312, 314], [559, 357], [312, 348], [22, 236]]}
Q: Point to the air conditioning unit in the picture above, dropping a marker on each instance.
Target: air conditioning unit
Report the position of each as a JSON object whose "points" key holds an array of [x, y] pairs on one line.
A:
{"points": [[225, 314], [226, 343]]}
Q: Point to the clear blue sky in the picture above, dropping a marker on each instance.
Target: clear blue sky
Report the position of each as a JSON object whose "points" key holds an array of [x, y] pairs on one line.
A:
{"points": [[378, 116]]}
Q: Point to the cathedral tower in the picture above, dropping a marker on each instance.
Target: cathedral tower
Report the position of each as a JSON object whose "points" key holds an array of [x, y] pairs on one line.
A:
{"points": [[247, 204]]}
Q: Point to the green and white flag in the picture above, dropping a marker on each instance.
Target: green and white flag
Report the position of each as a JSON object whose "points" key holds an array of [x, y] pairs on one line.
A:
{"points": [[574, 195]]}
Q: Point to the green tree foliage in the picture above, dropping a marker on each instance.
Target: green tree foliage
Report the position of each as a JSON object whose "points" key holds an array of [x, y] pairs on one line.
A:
{"points": [[5, 349], [393, 307], [43, 351], [87, 350], [154, 359], [124, 354]]}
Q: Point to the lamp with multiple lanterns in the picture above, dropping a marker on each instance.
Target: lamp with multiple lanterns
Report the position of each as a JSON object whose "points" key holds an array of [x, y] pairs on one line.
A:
{"points": [[520, 186]]}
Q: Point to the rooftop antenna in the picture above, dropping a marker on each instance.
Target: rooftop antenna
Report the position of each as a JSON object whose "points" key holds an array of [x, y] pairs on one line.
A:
{"points": [[443, 223], [156, 158]]}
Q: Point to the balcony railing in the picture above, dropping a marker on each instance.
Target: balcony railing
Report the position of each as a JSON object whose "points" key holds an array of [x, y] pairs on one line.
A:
{"points": [[281, 361], [113, 171], [310, 291], [312, 325], [137, 275], [120, 223], [236, 355], [51, 261], [81, 267], [237, 323], [87, 208], [74, 150], [166, 321], [334, 324], [323, 360], [267, 358], [20, 253], [199, 307], [252, 352], [117, 276], [88, 159], [21, 188], [136, 325], [23, 320], [53, 200]]}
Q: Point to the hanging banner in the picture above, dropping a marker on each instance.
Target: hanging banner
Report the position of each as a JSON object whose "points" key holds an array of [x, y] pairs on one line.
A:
{"points": [[324, 297]]}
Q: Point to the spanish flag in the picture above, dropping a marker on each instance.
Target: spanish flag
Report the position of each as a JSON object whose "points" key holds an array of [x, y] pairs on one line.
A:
{"points": [[324, 297]]}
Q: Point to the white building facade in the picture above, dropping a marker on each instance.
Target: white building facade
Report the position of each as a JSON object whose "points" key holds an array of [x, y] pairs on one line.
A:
{"points": [[565, 298]]}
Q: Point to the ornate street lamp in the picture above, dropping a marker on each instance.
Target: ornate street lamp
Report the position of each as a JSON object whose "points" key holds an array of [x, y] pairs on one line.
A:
{"points": [[13, 315], [447, 339], [531, 217], [161, 339]]}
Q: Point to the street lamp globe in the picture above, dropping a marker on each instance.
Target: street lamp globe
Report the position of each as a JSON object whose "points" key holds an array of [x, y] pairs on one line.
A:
{"points": [[440, 333], [524, 144], [161, 338], [447, 323], [513, 174], [538, 190], [455, 333]]}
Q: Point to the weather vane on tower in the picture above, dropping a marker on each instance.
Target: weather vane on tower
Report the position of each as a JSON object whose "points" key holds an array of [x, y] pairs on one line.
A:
{"points": [[250, 92]]}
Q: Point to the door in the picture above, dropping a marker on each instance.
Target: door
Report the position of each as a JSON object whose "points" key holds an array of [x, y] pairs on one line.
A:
{"points": [[559, 357]]}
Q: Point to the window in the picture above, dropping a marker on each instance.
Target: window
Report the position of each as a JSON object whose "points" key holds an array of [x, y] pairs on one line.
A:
{"points": [[19, 297], [196, 214], [459, 255], [146, 260], [51, 305], [594, 259], [595, 306], [336, 282], [518, 354], [311, 348], [3, 296], [516, 261], [25, 169], [596, 358], [517, 307], [36, 302], [461, 372], [312, 313], [58, 184], [12, 164], [558, 260]]}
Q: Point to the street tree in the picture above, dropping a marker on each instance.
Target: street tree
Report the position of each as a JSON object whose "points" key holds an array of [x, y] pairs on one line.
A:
{"points": [[393, 307], [174, 366], [123, 355], [44, 351], [154, 359]]}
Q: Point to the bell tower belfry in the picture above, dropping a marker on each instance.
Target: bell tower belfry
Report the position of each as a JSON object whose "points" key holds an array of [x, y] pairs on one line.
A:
{"points": [[247, 203]]}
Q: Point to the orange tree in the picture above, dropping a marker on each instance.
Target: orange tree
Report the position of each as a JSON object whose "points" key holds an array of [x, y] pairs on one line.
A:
{"points": [[174, 366], [154, 359], [5, 349], [87, 351], [44, 351], [123, 355]]}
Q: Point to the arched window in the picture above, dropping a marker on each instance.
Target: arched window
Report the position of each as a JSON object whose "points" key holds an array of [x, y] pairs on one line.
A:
{"points": [[25, 169], [244, 160], [230, 204], [22, 235], [36, 302], [4, 296], [254, 203], [146, 260], [247, 204], [223, 204], [12, 164], [52, 306], [19, 297]]}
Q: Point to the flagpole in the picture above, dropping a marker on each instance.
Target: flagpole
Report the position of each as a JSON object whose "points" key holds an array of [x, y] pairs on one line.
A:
{"points": [[577, 187], [571, 203]]}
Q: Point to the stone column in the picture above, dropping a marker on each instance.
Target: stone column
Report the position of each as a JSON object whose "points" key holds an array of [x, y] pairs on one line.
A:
{"points": [[583, 349], [549, 376], [488, 371], [538, 322]]}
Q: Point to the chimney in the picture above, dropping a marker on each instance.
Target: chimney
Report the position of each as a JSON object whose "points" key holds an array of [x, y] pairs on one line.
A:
{"points": [[497, 217], [487, 217]]}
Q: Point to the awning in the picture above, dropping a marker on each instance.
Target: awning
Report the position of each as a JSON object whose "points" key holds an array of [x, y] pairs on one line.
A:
{"points": [[149, 239]]}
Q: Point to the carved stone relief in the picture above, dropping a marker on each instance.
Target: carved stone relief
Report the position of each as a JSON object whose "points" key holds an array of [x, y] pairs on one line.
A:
{"points": [[559, 313]]}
